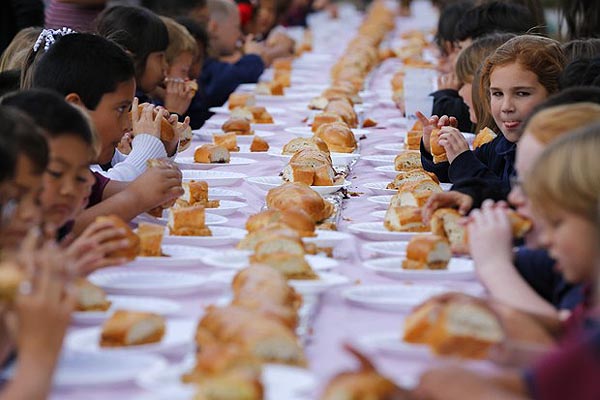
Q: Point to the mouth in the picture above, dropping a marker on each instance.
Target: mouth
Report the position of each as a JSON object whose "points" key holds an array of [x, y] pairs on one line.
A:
{"points": [[511, 124], [61, 209]]}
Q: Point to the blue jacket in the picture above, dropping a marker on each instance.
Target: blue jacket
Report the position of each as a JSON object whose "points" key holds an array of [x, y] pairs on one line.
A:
{"points": [[448, 102]]}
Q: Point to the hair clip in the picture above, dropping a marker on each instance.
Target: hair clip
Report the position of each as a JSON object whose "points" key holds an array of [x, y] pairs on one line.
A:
{"points": [[47, 36]]}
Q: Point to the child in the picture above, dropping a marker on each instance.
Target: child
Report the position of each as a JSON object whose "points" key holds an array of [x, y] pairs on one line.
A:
{"points": [[145, 36], [199, 33], [582, 72], [518, 76]]}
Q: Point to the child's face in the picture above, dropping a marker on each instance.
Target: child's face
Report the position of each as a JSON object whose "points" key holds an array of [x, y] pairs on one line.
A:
{"points": [[181, 65], [572, 240], [528, 150], [466, 92], [26, 187], [111, 118], [67, 180], [514, 92], [154, 71], [226, 33]]}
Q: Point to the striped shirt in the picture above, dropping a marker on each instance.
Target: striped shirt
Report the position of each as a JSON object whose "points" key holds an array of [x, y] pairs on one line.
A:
{"points": [[74, 16]]}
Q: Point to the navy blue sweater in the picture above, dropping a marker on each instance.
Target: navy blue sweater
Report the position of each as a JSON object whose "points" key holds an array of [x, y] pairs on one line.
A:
{"points": [[537, 268], [448, 102]]}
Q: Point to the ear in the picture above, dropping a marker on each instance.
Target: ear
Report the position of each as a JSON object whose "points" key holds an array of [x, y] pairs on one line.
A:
{"points": [[74, 99]]}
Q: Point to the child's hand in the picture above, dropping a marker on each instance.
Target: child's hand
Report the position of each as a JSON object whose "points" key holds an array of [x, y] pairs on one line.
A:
{"points": [[145, 121], [429, 124], [280, 39], [452, 199], [158, 185], [178, 96], [490, 237], [453, 141], [125, 144], [253, 47], [448, 81]]}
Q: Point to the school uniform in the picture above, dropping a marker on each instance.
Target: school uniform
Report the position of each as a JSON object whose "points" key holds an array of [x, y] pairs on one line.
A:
{"points": [[448, 102]]}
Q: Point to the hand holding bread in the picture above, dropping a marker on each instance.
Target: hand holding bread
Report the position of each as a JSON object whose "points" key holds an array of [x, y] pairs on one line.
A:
{"points": [[148, 119], [452, 199], [453, 141]]}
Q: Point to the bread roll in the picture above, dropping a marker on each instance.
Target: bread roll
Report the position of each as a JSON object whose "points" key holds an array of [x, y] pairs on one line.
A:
{"points": [[196, 193], [427, 252], [407, 160], [90, 297], [484, 136], [133, 248], [412, 140], [188, 221], [151, 236], [298, 144], [446, 222], [415, 193], [11, 277], [166, 129], [345, 110], [258, 144], [260, 115], [284, 63], [413, 175], [191, 85], [437, 151], [274, 231], [338, 136], [292, 266], [242, 112], [298, 196], [295, 219], [270, 88], [404, 219], [283, 77], [324, 118], [241, 100], [185, 137], [520, 225], [227, 140], [239, 126], [131, 328], [211, 153], [318, 103]]}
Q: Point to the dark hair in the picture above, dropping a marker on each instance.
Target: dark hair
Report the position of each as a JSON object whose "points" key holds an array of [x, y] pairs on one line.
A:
{"points": [[9, 81], [85, 64], [581, 48], [173, 8], [449, 17], [494, 16], [582, 18], [20, 135], [137, 30], [583, 72], [52, 113], [197, 31]]}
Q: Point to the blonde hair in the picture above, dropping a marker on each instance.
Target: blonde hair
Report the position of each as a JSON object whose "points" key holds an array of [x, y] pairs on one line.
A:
{"points": [[16, 53], [180, 40], [549, 124], [566, 175], [471, 57]]}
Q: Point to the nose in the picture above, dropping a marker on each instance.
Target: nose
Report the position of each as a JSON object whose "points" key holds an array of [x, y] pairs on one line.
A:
{"points": [[67, 187], [507, 104], [516, 197]]}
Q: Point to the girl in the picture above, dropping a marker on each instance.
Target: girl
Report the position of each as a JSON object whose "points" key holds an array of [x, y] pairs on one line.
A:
{"points": [[518, 76], [145, 36]]}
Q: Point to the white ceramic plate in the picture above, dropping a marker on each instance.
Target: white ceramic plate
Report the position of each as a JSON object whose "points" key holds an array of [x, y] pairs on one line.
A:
{"points": [[246, 153], [213, 178], [76, 369], [178, 256], [394, 249], [224, 194], [376, 231], [387, 170], [327, 280], [395, 148], [380, 188], [241, 139], [378, 214], [226, 207], [123, 281], [247, 87], [380, 160], [221, 236], [280, 382], [188, 163], [337, 159], [270, 182], [391, 343], [326, 238], [235, 259], [306, 131], [179, 336], [211, 219], [289, 97], [399, 297], [133, 303], [458, 268], [227, 111], [381, 201], [218, 121]]}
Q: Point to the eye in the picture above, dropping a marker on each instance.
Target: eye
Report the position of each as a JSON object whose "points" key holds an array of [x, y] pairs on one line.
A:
{"points": [[523, 94], [496, 93], [82, 180], [54, 174], [122, 109]]}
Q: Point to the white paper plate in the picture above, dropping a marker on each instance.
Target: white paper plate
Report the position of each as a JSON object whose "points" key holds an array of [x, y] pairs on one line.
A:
{"points": [[327, 280], [337, 159], [380, 160], [399, 297], [213, 178], [224, 194], [458, 268], [218, 121], [211, 219], [376, 231], [246, 87], [227, 111], [306, 131], [188, 163], [179, 336], [133, 303], [207, 135], [381, 201], [226, 207], [397, 122], [123, 281], [378, 214], [289, 97], [380, 188], [395, 148], [394, 249], [221, 236], [76, 369], [387, 170], [235, 259], [178, 256], [391, 343], [246, 153], [326, 238], [270, 182], [280, 382]]}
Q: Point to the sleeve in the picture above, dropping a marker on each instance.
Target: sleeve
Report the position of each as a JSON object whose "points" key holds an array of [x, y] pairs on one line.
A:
{"points": [[474, 164], [118, 157], [440, 170], [145, 147], [448, 102], [537, 269]]}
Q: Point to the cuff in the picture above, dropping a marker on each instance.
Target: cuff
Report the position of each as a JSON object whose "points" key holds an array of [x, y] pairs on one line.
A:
{"points": [[145, 147]]}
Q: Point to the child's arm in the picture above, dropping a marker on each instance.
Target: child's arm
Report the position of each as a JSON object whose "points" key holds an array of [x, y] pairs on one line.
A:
{"points": [[429, 124]]}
